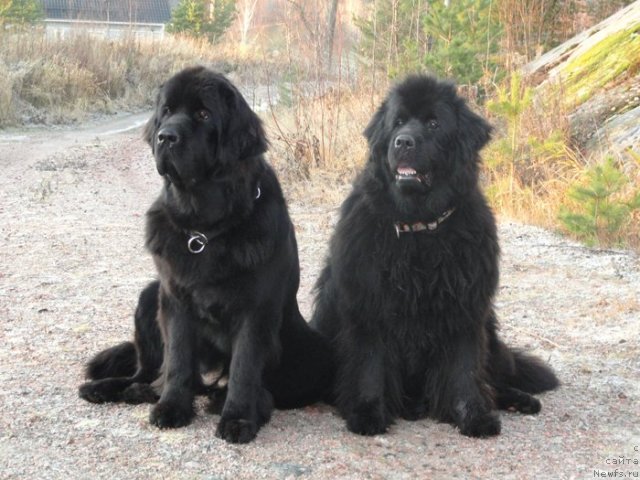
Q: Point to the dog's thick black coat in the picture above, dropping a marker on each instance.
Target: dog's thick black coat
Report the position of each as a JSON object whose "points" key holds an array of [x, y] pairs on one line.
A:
{"points": [[232, 306], [406, 294]]}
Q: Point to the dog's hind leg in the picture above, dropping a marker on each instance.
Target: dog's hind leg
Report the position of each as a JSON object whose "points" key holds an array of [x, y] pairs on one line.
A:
{"points": [[124, 372], [305, 372], [515, 375], [509, 398]]}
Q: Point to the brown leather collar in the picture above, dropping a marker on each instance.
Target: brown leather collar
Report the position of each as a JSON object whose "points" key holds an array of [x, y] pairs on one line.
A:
{"points": [[402, 227]]}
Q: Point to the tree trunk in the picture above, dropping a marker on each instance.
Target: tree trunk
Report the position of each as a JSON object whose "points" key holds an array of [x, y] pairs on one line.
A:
{"points": [[246, 13], [331, 28]]}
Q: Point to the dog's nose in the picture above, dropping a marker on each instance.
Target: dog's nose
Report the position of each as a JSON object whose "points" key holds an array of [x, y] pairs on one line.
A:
{"points": [[168, 136], [404, 141]]}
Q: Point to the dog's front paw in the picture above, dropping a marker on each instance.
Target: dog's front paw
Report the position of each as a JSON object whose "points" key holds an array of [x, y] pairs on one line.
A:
{"points": [[236, 430], [481, 425], [171, 414], [368, 418]]}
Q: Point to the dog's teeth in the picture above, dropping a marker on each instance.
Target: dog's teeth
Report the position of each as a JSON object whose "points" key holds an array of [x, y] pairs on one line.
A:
{"points": [[406, 171]]}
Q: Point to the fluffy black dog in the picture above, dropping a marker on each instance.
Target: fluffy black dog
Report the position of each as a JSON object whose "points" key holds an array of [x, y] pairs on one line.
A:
{"points": [[226, 255], [406, 294]]}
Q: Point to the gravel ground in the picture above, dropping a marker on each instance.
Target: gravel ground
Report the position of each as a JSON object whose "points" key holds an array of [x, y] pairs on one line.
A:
{"points": [[72, 263]]}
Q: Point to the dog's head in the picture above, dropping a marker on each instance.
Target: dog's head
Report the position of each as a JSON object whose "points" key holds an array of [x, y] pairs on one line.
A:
{"points": [[426, 140], [202, 128]]}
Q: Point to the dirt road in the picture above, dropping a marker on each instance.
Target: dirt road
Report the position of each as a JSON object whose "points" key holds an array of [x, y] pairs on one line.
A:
{"points": [[72, 262]]}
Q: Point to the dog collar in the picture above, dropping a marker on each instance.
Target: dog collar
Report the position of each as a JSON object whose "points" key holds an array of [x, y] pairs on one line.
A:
{"points": [[198, 240], [402, 227]]}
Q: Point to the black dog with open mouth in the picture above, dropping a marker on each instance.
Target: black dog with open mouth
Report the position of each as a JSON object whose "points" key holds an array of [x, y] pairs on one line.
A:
{"points": [[406, 296], [226, 255]]}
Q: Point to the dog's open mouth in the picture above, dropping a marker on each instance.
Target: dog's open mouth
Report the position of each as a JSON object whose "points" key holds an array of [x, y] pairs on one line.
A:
{"points": [[408, 175]]}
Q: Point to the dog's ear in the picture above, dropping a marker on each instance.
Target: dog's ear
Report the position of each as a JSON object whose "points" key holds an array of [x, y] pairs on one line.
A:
{"points": [[149, 129], [245, 133], [473, 133], [375, 131], [151, 126], [475, 130]]}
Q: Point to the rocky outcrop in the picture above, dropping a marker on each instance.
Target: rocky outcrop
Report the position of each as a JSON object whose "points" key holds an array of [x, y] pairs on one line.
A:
{"points": [[598, 72]]}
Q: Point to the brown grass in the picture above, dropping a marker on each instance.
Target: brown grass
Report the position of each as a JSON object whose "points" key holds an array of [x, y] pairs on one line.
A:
{"points": [[315, 133], [53, 80], [548, 164], [321, 135]]}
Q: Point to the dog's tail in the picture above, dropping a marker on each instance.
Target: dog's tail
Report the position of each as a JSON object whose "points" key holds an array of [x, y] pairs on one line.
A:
{"points": [[118, 361], [513, 368], [531, 375]]}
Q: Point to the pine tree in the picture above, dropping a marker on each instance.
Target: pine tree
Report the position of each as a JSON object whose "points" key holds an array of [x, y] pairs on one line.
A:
{"points": [[601, 210], [20, 12], [463, 37], [450, 39], [511, 104], [393, 36], [202, 18]]}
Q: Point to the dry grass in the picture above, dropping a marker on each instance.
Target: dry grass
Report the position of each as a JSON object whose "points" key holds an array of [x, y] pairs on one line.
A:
{"points": [[53, 80], [315, 128], [548, 163], [317, 147], [321, 135]]}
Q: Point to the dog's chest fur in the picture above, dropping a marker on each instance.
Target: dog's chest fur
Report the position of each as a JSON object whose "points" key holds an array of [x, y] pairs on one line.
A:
{"points": [[205, 282], [432, 279], [424, 275], [434, 282]]}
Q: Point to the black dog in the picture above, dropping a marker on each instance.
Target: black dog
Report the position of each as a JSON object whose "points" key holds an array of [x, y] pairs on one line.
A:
{"points": [[226, 254], [406, 294]]}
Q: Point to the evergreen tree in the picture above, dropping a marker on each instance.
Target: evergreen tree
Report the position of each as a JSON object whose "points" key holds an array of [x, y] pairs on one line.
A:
{"points": [[392, 35], [601, 210], [457, 39], [20, 12], [464, 37], [510, 104], [202, 18]]}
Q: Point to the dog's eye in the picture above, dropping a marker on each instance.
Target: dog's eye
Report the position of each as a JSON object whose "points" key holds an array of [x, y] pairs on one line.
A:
{"points": [[203, 115], [433, 124], [399, 122], [166, 110]]}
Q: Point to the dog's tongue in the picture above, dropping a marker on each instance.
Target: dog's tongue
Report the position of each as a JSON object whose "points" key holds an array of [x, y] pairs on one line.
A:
{"points": [[406, 171]]}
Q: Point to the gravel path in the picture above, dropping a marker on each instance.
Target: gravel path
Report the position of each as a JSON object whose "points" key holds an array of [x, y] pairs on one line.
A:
{"points": [[72, 262]]}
